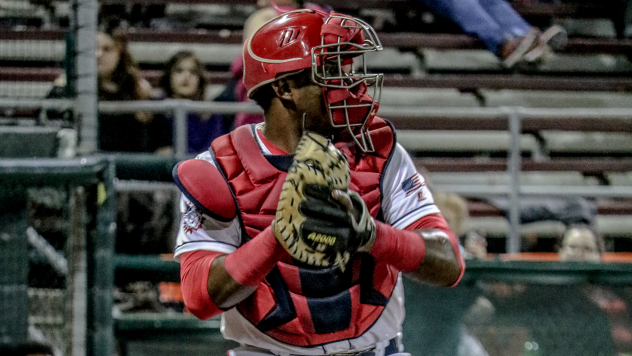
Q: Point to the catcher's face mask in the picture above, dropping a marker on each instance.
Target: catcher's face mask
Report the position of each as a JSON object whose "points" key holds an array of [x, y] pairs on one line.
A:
{"points": [[339, 67]]}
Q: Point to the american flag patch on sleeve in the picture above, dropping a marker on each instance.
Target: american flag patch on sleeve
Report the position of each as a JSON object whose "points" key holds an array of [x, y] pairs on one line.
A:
{"points": [[412, 183]]}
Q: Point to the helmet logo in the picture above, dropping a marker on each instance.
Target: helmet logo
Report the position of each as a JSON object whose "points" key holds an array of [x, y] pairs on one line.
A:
{"points": [[289, 36]]}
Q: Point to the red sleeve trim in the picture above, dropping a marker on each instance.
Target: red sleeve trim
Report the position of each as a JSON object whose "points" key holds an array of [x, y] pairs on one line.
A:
{"points": [[194, 270]]}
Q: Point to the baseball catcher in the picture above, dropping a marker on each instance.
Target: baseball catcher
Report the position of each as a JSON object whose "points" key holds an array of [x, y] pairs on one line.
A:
{"points": [[298, 230]]}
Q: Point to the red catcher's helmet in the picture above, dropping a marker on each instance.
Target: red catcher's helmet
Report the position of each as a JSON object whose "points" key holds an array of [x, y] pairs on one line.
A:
{"points": [[332, 46]]}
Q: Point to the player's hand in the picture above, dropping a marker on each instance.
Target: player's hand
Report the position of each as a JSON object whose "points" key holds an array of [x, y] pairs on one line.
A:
{"points": [[344, 210], [318, 220]]}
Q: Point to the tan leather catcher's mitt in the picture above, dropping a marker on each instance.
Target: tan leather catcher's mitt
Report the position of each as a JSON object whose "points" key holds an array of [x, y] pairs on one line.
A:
{"points": [[312, 226]]}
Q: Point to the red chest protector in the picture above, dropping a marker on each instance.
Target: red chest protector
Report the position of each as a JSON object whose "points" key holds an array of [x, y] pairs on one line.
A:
{"points": [[296, 305]]}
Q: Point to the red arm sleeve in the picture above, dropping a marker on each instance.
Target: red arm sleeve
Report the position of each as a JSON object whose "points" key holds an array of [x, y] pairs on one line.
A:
{"points": [[194, 269]]}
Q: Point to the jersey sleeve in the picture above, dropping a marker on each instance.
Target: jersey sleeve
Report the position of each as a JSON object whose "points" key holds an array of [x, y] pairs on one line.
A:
{"points": [[406, 198], [199, 231]]}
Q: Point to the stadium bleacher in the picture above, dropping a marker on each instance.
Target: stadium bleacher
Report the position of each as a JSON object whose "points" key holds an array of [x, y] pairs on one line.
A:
{"points": [[431, 65]]}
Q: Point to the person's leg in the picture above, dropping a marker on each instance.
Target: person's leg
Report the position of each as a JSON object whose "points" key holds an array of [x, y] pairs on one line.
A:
{"points": [[473, 20], [554, 38], [506, 17]]}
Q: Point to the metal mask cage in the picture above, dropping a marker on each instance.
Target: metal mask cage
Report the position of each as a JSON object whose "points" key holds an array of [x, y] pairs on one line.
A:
{"points": [[338, 52], [328, 61]]}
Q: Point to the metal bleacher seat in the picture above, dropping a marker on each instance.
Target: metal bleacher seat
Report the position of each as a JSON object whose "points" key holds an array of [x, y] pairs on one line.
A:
{"points": [[408, 83]]}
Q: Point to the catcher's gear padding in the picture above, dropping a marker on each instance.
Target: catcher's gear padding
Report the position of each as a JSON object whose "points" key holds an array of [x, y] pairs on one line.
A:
{"points": [[202, 183], [312, 226]]}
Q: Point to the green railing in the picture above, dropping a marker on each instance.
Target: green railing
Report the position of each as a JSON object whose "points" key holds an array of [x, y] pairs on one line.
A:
{"points": [[542, 313], [93, 275], [431, 312]]}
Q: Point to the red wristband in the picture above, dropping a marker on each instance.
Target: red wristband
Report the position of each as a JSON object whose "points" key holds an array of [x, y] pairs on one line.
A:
{"points": [[400, 248], [252, 261]]}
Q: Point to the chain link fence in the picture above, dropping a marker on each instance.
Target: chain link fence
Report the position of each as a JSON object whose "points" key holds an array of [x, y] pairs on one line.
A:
{"points": [[524, 308], [56, 248]]}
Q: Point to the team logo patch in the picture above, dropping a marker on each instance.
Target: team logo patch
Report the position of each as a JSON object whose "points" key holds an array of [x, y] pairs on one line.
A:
{"points": [[411, 184], [192, 220], [289, 36]]}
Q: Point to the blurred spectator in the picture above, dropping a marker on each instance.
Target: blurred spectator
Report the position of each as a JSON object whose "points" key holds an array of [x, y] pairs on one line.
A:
{"points": [[119, 79], [184, 77], [503, 31], [581, 243], [475, 245], [454, 209], [565, 210], [564, 318]]}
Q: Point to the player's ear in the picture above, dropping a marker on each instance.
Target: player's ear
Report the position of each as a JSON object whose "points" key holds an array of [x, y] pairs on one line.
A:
{"points": [[282, 89]]}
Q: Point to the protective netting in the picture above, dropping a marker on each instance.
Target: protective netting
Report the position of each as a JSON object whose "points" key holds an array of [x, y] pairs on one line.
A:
{"points": [[46, 226], [498, 318], [56, 243]]}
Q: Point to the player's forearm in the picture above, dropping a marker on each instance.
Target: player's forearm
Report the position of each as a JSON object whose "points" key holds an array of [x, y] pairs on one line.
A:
{"points": [[222, 288], [213, 282], [194, 273], [208, 289], [440, 265], [234, 277], [426, 255]]}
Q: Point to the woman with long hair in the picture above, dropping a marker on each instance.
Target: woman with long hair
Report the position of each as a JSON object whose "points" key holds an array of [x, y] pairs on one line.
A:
{"points": [[119, 79], [185, 77]]}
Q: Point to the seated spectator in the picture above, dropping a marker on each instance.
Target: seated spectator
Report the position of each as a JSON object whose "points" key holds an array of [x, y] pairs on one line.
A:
{"points": [[581, 243], [119, 79], [184, 77], [503, 31], [556, 318], [454, 209], [565, 210]]}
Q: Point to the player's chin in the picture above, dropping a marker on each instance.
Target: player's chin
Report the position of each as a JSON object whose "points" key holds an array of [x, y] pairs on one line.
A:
{"points": [[322, 127]]}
